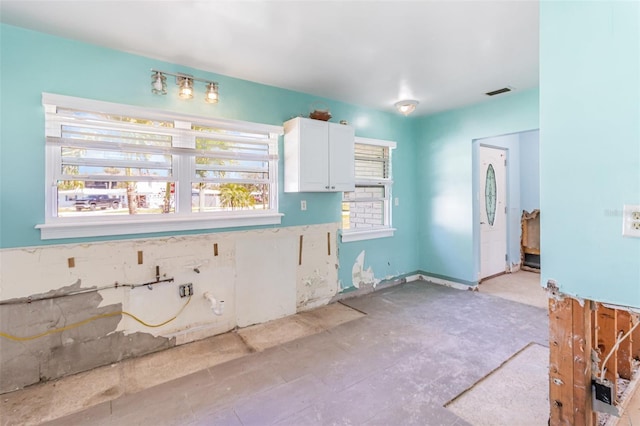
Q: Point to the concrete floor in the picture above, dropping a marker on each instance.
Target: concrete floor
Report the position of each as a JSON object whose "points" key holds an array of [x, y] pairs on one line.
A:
{"points": [[514, 394], [418, 347], [522, 286]]}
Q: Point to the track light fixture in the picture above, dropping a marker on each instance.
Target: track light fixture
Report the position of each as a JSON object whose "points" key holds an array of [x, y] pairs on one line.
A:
{"points": [[185, 85]]}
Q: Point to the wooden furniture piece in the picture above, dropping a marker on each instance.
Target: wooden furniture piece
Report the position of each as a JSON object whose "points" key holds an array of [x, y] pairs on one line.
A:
{"points": [[530, 241]]}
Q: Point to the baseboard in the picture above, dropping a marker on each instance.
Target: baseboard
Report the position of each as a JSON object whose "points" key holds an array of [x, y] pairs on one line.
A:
{"points": [[402, 279], [448, 282], [351, 292]]}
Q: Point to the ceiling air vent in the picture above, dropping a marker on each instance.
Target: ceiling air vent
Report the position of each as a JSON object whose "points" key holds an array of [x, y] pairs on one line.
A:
{"points": [[497, 92]]}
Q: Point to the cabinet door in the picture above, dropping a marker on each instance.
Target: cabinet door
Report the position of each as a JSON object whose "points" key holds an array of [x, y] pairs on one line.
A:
{"points": [[314, 156], [341, 161]]}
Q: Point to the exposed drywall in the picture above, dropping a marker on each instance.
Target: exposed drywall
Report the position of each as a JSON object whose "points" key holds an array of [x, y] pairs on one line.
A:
{"points": [[317, 274], [266, 277], [361, 276], [257, 273]]}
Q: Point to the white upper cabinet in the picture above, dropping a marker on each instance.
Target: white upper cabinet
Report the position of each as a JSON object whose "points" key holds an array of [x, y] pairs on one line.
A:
{"points": [[318, 156]]}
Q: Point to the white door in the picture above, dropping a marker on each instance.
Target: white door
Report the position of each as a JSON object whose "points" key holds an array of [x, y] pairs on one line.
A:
{"points": [[314, 155], [493, 211], [341, 164]]}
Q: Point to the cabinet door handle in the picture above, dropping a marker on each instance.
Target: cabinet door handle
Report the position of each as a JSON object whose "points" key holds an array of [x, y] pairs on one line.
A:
{"points": [[326, 187], [333, 187]]}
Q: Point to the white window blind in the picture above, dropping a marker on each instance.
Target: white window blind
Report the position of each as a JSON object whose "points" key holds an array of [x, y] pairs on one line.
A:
{"points": [[368, 208]]}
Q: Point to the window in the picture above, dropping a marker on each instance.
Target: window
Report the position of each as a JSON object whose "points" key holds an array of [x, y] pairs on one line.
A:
{"points": [[117, 169], [366, 212]]}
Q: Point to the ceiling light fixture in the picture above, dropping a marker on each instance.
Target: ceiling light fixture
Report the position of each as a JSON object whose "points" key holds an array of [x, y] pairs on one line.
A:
{"points": [[406, 107], [185, 85]]}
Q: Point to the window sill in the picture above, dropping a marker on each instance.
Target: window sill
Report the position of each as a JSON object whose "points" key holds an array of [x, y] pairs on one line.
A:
{"points": [[369, 234], [80, 229]]}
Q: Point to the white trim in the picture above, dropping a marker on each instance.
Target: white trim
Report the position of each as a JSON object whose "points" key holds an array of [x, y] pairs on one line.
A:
{"points": [[57, 230], [369, 234], [412, 278], [51, 99], [183, 166], [447, 283], [375, 142], [349, 235]]}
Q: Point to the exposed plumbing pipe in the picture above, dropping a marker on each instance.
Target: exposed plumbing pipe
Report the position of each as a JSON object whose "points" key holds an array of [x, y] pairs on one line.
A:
{"points": [[216, 306]]}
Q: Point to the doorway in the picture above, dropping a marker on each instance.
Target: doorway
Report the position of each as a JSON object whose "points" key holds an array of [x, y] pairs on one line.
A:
{"points": [[517, 190]]}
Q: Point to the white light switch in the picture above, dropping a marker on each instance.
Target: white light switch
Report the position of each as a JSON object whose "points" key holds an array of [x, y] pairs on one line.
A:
{"points": [[303, 205], [396, 202], [631, 221]]}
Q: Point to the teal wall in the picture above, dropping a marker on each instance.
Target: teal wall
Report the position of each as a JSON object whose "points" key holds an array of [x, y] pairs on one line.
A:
{"points": [[448, 241], [530, 170], [33, 63], [386, 256], [590, 147], [588, 110], [433, 163]]}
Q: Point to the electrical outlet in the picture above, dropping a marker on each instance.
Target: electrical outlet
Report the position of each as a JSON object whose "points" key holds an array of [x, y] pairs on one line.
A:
{"points": [[631, 221], [303, 205], [186, 290]]}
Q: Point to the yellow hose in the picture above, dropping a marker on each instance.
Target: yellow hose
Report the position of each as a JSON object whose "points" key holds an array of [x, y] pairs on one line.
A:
{"points": [[88, 320]]}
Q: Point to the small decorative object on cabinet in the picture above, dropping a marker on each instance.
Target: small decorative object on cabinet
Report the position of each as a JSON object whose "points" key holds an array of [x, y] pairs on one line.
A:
{"points": [[320, 111], [318, 156]]}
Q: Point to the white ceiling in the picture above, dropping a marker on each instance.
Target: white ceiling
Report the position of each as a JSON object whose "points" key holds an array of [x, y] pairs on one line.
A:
{"points": [[445, 54]]}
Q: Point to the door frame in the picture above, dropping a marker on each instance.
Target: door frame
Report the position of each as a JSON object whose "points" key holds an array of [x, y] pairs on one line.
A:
{"points": [[475, 195], [513, 206]]}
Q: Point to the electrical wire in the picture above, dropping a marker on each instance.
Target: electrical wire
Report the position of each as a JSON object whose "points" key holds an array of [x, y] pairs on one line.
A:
{"points": [[615, 348], [82, 291], [88, 320]]}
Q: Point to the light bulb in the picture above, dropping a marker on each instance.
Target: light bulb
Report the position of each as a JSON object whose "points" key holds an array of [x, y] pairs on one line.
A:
{"points": [[211, 96], [158, 84], [186, 88], [406, 107]]}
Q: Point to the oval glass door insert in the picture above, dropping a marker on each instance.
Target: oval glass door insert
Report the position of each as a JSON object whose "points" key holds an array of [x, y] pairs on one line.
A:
{"points": [[490, 194]]}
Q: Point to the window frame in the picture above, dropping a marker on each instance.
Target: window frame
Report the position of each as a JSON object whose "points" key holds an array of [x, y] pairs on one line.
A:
{"points": [[350, 235], [56, 227]]}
